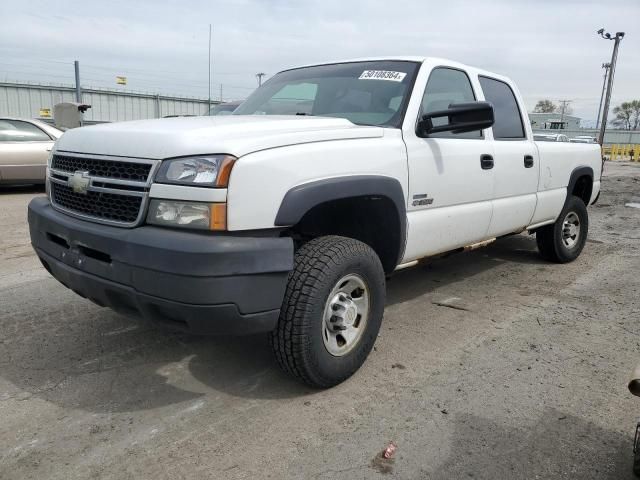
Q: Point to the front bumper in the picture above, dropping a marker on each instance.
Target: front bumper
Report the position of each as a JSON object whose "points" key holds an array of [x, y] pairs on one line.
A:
{"points": [[191, 281]]}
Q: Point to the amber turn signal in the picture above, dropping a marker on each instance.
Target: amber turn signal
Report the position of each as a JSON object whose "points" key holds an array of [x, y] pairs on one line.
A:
{"points": [[218, 216], [224, 172]]}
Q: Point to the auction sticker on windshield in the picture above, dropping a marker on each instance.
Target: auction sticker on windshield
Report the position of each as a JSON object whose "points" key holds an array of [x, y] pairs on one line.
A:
{"points": [[382, 75]]}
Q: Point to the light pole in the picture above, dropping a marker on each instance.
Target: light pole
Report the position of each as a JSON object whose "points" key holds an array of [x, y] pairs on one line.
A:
{"points": [[76, 67], [612, 70], [606, 67], [259, 77], [209, 102]]}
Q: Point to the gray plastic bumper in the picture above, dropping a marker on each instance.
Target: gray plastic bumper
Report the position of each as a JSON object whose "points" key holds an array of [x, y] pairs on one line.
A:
{"points": [[202, 283]]}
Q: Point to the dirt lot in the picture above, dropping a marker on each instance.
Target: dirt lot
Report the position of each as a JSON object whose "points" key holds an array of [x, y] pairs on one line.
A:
{"points": [[528, 380]]}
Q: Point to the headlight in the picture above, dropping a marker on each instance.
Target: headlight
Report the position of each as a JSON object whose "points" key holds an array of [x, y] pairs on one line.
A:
{"points": [[202, 216], [200, 171]]}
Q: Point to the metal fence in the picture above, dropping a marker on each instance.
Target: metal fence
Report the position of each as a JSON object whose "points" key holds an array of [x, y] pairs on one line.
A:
{"points": [[622, 152], [36, 101]]}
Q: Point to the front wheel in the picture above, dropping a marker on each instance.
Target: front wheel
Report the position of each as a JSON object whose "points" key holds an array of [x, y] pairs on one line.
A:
{"points": [[563, 240], [332, 311]]}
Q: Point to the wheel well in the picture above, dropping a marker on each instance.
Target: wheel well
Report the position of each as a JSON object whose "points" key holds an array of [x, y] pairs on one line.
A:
{"points": [[583, 188], [371, 219]]}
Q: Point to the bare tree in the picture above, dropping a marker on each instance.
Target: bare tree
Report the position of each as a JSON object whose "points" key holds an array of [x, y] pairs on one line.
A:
{"points": [[627, 115], [545, 106]]}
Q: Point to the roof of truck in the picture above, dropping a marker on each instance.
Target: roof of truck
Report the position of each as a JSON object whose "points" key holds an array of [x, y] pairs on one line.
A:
{"points": [[363, 59], [407, 58]]}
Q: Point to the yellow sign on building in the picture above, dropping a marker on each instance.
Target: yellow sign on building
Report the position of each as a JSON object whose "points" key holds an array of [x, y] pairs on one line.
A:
{"points": [[121, 80], [45, 113]]}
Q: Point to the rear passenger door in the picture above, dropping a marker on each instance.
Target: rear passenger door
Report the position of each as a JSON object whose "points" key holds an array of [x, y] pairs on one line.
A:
{"points": [[516, 166]]}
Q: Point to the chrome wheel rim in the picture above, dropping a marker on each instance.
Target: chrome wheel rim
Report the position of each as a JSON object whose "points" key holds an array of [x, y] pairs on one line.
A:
{"points": [[345, 315], [571, 230]]}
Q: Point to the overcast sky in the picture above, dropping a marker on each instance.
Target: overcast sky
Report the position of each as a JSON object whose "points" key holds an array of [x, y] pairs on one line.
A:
{"points": [[549, 47]]}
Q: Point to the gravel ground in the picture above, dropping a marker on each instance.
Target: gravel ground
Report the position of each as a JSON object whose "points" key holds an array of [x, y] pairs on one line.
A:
{"points": [[525, 379]]}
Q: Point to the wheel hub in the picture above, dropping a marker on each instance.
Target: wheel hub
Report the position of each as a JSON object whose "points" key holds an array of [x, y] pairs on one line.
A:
{"points": [[571, 230], [346, 314]]}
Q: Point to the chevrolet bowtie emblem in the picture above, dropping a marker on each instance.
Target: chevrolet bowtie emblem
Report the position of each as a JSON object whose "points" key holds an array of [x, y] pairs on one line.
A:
{"points": [[79, 182]]}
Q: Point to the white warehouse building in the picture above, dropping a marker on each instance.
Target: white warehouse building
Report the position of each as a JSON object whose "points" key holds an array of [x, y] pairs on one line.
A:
{"points": [[553, 121]]}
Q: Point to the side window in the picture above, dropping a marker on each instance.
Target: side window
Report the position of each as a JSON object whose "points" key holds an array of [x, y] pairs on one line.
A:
{"points": [[508, 121], [17, 131], [444, 87], [6, 131]]}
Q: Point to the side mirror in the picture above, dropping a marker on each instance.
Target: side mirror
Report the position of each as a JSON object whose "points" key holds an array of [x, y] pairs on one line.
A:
{"points": [[460, 118]]}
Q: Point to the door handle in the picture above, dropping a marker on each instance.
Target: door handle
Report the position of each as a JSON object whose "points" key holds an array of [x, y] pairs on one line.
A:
{"points": [[528, 161], [486, 162]]}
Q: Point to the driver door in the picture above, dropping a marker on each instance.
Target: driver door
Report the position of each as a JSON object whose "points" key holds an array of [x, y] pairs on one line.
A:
{"points": [[450, 175]]}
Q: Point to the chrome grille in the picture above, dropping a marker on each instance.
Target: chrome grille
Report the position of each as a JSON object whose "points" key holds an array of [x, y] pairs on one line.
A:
{"points": [[112, 190]]}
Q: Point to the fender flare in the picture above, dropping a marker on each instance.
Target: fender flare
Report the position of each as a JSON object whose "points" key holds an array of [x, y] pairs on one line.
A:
{"points": [[573, 179], [302, 198]]}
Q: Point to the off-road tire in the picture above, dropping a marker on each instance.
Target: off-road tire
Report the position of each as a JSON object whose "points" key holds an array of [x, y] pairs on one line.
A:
{"points": [[297, 340], [550, 237]]}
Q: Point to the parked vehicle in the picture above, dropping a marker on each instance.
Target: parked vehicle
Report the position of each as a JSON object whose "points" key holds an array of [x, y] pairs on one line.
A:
{"points": [[583, 139], [225, 108], [550, 137], [289, 224], [25, 146]]}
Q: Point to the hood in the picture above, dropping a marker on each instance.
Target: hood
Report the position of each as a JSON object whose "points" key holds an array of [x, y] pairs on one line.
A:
{"points": [[236, 135]]}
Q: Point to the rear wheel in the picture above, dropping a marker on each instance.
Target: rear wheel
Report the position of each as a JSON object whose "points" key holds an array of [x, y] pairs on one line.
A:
{"points": [[332, 311], [563, 240], [636, 451]]}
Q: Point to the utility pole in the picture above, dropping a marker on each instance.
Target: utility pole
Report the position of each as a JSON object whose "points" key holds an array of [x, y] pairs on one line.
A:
{"points": [[220, 93], [209, 103], [563, 107], [259, 77], [606, 67], [612, 70], [76, 66]]}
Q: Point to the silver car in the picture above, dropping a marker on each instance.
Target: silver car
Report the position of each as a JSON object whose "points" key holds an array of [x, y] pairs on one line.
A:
{"points": [[550, 137], [583, 139], [24, 149]]}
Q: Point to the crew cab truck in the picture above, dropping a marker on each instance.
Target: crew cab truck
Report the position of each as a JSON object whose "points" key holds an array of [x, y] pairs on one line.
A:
{"points": [[288, 215]]}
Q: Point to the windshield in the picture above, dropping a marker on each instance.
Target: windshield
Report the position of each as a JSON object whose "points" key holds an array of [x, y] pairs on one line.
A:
{"points": [[365, 93], [223, 109]]}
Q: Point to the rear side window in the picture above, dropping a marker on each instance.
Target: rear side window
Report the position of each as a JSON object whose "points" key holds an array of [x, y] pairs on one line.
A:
{"points": [[17, 131], [444, 87], [508, 121]]}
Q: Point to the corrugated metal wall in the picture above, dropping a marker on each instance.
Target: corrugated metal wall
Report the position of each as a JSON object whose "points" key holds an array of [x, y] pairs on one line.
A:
{"points": [[26, 100]]}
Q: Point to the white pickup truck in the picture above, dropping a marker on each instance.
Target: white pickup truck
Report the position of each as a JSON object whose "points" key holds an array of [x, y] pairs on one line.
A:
{"points": [[287, 216]]}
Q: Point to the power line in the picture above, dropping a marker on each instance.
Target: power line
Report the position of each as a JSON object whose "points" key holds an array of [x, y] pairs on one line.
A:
{"points": [[606, 67], [118, 67], [563, 107], [139, 79]]}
